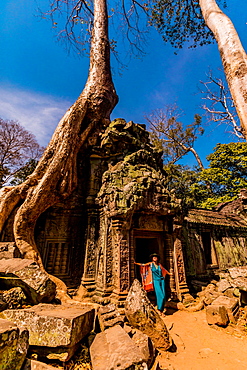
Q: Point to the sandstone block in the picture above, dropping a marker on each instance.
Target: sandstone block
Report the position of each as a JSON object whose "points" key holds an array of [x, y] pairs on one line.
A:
{"points": [[14, 297], [9, 250], [36, 365], [223, 285], [145, 346], [240, 283], [217, 315], [109, 316], [54, 330], [26, 274], [13, 346], [231, 305], [142, 315], [240, 271], [113, 349]]}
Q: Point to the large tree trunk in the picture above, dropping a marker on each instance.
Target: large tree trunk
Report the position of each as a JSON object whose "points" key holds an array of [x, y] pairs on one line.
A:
{"points": [[232, 53], [55, 177]]}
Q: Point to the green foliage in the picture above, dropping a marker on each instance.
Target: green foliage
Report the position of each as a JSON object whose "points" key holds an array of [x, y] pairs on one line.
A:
{"points": [[220, 182], [179, 180], [21, 175], [181, 21], [226, 174]]}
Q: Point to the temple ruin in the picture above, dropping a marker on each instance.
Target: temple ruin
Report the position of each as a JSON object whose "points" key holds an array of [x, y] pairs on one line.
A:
{"points": [[120, 212]]}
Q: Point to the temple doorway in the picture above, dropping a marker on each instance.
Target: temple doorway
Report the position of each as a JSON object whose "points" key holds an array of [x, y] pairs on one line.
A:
{"points": [[145, 247], [146, 243]]}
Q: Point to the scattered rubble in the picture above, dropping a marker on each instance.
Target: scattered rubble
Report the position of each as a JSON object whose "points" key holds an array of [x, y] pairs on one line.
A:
{"points": [[54, 330], [109, 316], [142, 315], [13, 345], [113, 349], [36, 365], [13, 298], [26, 274]]}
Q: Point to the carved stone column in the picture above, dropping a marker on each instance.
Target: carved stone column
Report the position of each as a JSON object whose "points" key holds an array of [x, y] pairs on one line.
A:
{"points": [[121, 268], [89, 274], [180, 276], [170, 265], [93, 219]]}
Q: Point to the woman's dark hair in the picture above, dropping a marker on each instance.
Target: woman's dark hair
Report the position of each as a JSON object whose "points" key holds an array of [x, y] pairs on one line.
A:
{"points": [[154, 255]]}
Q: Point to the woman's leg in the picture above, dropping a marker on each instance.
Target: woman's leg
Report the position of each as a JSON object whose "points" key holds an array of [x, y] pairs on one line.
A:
{"points": [[159, 288]]}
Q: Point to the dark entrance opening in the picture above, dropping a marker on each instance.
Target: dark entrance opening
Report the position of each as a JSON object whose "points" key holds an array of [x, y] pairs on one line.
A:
{"points": [[145, 247], [206, 241]]}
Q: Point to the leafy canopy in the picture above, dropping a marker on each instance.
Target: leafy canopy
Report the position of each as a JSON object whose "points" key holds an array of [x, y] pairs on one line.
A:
{"points": [[180, 21], [227, 175]]}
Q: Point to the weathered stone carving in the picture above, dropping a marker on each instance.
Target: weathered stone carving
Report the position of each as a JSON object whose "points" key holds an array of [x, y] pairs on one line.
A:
{"points": [[14, 345], [113, 349], [143, 316], [26, 274], [54, 331]]}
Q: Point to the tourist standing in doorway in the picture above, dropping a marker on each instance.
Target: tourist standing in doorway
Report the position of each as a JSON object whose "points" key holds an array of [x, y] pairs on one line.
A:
{"points": [[153, 279]]}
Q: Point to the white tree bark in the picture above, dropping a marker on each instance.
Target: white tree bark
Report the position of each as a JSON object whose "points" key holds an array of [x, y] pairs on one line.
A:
{"points": [[232, 54]]}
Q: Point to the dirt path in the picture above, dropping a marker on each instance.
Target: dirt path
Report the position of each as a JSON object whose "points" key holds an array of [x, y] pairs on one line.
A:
{"points": [[201, 347]]}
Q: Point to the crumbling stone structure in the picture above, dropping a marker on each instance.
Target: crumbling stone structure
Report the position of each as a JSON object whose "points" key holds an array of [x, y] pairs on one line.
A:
{"points": [[214, 241], [120, 212]]}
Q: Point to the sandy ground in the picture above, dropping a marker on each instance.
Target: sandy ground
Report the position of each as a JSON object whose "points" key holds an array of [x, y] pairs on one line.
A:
{"points": [[202, 347]]}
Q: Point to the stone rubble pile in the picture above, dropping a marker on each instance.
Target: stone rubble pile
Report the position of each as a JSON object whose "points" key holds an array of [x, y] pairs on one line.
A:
{"points": [[223, 298], [35, 330]]}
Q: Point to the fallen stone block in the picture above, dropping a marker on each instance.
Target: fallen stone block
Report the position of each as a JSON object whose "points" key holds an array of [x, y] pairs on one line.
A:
{"points": [[231, 305], [109, 316], [9, 250], [142, 315], [113, 349], [240, 271], [223, 285], [36, 365], [54, 330], [240, 283], [14, 298], [145, 346], [217, 315], [13, 345], [26, 274]]}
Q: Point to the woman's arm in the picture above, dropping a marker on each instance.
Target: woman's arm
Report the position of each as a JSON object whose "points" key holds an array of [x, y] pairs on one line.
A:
{"points": [[141, 264], [166, 271]]}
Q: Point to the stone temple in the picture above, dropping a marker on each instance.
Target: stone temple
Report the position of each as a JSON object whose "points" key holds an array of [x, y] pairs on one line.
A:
{"points": [[120, 212]]}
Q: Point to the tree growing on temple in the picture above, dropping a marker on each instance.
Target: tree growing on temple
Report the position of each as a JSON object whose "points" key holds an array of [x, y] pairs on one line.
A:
{"points": [[18, 150], [55, 176], [182, 20]]}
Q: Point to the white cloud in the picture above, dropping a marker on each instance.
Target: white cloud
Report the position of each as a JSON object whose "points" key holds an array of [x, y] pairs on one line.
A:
{"points": [[38, 113]]}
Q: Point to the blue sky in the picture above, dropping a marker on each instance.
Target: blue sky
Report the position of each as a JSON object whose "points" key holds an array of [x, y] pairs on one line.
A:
{"points": [[39, 80]]}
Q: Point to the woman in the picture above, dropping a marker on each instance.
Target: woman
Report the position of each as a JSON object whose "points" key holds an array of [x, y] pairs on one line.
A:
{"points": [[153, 279]]}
